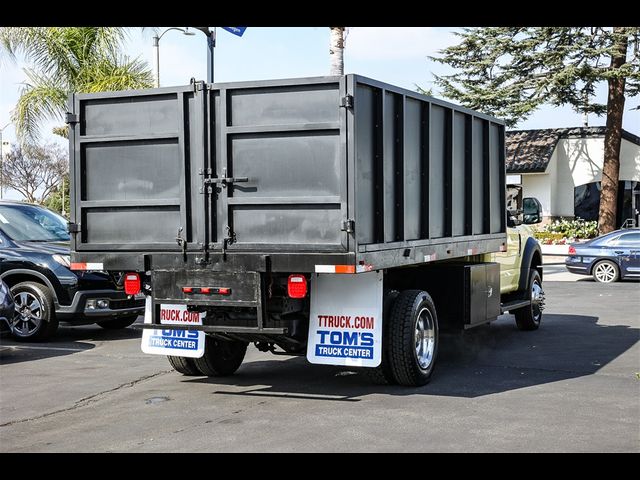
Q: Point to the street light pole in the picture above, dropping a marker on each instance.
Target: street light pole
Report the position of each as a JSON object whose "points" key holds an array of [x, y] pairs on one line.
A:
{"points": [[2, 159], [211, 44], [156, 46]]}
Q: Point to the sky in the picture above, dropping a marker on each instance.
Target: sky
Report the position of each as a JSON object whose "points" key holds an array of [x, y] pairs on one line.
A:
{"points": [[395, 55]]}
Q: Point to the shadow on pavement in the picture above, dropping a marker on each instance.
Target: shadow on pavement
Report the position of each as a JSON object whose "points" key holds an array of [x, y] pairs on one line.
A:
{"points": [[67, 340], [483, 361]]}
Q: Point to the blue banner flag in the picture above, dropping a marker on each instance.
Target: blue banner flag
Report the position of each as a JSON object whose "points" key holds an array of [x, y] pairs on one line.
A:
{"points": [[235, 30]]}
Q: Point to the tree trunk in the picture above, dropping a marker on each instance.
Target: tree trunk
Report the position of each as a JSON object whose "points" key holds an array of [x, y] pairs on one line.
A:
{"points": [[613, 137], [336, 51]]}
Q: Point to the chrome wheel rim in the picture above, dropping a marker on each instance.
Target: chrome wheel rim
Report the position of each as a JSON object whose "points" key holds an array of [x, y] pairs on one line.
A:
{"points": [[29, 314], [424, 337], [537, 301], [605, 272]]}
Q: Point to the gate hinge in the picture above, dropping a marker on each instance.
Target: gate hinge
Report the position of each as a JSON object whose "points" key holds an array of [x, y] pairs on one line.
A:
{"points": [[70, 118], [199, 85], [73, 227], [347, 101], [348, 226]]}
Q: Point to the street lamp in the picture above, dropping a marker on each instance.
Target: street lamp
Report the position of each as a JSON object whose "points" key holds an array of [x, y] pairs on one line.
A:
{"points": [[156, 45], [2, 159], [211, 44]]}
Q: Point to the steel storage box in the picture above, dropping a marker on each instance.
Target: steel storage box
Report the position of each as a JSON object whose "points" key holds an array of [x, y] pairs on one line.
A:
{"points": [[291, 175]]}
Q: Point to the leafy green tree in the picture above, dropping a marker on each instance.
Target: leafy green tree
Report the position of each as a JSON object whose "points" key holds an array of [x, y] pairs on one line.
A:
{"points": [[510, 71], [58, 199], [64, 60]]}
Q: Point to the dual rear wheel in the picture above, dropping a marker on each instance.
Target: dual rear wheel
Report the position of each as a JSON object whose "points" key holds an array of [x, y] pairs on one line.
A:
{"points": [[409, 340], [221, 358]]}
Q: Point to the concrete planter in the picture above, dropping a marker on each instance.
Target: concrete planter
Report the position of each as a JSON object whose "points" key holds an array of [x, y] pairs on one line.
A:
{"points": [[555, 249]]}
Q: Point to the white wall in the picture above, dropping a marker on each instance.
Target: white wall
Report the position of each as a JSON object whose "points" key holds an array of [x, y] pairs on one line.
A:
{"points": [[576, 161], [538, 185]]}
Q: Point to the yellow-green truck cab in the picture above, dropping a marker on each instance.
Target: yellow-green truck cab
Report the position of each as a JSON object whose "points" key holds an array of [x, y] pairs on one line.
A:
{"points": [[521, 290]]}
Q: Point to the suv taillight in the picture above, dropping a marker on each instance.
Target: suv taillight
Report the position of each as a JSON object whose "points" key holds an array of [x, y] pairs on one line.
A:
{"points": [[572, 250], [131, 283]]}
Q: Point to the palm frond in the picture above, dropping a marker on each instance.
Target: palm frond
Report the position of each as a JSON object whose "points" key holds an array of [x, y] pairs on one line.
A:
{"points": [[39, 100], [115, 74]]}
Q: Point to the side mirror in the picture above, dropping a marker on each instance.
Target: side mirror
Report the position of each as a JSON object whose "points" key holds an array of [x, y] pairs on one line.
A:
{"points": [[532, 210]]}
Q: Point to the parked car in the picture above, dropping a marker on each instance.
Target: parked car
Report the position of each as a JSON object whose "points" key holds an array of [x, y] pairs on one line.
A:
{"points": [[608, 257], [35, 264], [7, 308]]}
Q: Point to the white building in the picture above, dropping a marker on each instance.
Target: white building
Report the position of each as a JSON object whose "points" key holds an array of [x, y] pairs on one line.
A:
{"points": [[562, 167]]}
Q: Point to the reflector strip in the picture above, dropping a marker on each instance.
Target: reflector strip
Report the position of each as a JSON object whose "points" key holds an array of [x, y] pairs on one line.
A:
{"points": [[207, 290], [87, 266], [430, 258], [472, 251], [335, 269]]}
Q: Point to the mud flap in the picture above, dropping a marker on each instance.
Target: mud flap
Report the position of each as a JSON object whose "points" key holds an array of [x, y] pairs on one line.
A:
{"points": [[345, 325], [177, 343]]}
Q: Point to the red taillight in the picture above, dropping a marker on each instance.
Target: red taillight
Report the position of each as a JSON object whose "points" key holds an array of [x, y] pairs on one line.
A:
{"points": [[224, 291], [572, 250], [187, 289], [131, 283], [297, 286]]}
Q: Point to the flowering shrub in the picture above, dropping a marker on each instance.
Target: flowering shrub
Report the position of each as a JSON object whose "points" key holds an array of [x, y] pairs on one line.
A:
{"points": [[563, 231]]}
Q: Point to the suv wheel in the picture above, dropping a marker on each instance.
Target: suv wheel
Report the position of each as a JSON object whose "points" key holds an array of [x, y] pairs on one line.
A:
{"points": [[35, 314]]}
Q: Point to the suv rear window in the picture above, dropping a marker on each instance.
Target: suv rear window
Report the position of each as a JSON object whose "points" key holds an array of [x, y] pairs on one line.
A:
{"points": [[30, 223]]}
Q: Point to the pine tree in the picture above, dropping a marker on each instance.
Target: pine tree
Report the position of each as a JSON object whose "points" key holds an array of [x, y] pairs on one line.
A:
{"points": [[510, 71]]}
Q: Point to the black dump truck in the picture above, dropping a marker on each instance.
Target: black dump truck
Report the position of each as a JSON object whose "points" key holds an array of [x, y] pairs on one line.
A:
{"points": [[338, 218]]}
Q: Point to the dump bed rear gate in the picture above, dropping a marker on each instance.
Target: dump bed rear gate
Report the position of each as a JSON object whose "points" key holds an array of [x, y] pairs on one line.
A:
{"points": [[290, 175]]}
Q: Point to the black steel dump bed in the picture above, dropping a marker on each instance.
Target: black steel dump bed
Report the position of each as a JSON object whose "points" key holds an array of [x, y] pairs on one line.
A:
{"points": [[300, 174]]}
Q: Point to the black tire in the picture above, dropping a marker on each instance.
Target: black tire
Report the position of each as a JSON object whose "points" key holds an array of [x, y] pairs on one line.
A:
{"points": [[221, 357], [605, 271], [184, 365], [42, 321], [118, 323], [411, 309], [382, 374], [529, 317]]}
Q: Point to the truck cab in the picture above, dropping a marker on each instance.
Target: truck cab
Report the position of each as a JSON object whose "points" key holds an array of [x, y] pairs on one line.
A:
{"points": [[521, 263]]}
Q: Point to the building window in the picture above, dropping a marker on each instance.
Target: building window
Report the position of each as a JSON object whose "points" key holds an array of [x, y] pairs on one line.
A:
{"points": [[586, 201]]}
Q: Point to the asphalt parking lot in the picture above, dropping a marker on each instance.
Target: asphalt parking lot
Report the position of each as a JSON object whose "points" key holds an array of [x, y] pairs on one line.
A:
{"points": [[573, 385]]}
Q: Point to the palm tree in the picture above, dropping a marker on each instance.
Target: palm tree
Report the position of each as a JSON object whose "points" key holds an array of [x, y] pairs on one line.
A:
{"points": [[66, 60], [336, 50]]}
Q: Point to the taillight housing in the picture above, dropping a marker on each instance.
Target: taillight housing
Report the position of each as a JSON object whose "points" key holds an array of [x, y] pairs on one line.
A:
{"points": [[572, 250], [131, 283], [297, 286]]}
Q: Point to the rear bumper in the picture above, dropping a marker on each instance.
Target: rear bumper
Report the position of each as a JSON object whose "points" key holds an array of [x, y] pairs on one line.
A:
{"points": [[119, 304], [580, 269]]}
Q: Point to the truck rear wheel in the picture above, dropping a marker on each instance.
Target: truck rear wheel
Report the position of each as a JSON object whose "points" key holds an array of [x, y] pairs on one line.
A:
{"points": [[529, 317], [413, 335], [183, 365], [221, 357]]}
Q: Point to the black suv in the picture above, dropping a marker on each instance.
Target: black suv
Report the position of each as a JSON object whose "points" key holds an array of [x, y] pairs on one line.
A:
{"points": [[34, 263]]}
